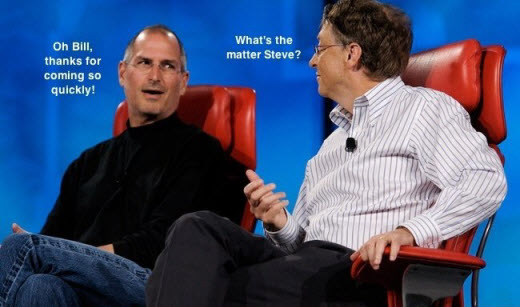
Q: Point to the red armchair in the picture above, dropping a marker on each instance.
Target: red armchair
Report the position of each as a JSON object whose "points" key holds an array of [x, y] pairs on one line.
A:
{"points": [[472, 75], [228, 114]]}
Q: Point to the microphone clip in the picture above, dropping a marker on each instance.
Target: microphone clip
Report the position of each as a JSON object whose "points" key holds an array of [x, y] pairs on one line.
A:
{"points": [[351, 144]]}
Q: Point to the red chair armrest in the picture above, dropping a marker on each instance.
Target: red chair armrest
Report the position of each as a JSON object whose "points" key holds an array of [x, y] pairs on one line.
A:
{"points": [[390, 273]]}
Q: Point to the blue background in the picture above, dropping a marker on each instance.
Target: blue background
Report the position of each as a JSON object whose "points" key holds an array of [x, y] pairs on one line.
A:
{"points": [[41, 134]]}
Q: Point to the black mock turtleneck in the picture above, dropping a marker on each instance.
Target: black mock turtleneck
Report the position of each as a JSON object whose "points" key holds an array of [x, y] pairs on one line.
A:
{"points": [[128, 190]]}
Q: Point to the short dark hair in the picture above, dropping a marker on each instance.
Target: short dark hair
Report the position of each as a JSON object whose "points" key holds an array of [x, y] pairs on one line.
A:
{"points": [[383, 32], [159, 28]]}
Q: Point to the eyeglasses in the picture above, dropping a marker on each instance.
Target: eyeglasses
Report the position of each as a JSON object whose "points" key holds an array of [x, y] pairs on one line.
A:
{"points": [[320, 48], [146, 65]]}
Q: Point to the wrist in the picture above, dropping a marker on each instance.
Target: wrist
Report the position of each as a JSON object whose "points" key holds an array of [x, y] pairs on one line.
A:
{"points": [[278, 223], [409, 233]]}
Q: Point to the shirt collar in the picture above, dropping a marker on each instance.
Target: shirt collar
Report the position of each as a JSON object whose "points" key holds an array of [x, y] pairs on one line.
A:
{"points": [[156, 130], [377, 98]]}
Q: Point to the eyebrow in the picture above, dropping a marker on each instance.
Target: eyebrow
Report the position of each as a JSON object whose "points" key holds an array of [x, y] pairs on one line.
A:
{"points": [[162, 61], [170, 61], [137, 58]]}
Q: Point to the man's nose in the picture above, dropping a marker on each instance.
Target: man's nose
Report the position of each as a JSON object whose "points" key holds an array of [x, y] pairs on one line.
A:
{"points": [[312, 61], [155, 72]]}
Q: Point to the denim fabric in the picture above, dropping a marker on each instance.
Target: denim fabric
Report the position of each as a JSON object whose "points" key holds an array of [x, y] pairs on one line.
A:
{"points": [[44, 290], [30, 263]]}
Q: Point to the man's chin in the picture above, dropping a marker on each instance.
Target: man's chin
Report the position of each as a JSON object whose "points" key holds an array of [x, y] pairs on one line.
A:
{"points": [[151, 107], [322, 92], [149, 113]]}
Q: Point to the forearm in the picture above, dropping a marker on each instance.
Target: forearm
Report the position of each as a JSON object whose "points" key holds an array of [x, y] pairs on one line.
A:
{"points": [[292, 235], [62, 218], [459, 208]]}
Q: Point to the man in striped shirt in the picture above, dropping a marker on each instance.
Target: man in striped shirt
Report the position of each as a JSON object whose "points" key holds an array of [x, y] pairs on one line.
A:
{"points": [[404, 167]]}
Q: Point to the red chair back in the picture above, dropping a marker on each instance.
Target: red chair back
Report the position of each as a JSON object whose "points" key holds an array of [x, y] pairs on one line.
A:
{"points": [[473, 76]]}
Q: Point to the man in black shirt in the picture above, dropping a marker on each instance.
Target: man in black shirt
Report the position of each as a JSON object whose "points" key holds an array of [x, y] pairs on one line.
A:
{"points": [[121, 195]]}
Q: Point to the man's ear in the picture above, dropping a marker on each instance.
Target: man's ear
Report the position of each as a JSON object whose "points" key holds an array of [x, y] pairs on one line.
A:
{"points": [[184, 82], [354, 55], [121, 72]]}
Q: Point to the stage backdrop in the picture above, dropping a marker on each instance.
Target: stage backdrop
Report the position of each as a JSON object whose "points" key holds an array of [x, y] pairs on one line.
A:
{"points": [[47, 123]]}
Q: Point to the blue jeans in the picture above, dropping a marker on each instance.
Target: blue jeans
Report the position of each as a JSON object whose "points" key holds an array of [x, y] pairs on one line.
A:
{"points": [[46, 271]]}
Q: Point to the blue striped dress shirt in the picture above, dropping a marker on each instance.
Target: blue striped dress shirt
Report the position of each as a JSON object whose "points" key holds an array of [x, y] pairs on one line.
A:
{"points": [[418, 164]]}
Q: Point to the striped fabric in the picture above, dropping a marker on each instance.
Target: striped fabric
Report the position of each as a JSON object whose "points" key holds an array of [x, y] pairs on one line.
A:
{"points": [[418, 163]]}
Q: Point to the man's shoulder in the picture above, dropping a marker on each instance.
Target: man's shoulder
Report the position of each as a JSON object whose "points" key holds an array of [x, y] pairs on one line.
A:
{"points": [[429, 96], [428, 109], [429, 102]]}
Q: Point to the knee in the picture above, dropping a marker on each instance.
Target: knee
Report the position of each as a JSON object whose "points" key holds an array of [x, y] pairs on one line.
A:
{"points": [[14, 242], [40, 283], [196, 217], [189, 223], [16, 238], [14, 247], [45, 290]]}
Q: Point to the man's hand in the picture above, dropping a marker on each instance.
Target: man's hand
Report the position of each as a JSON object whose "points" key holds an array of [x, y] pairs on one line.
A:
{"points": [[266, 205], [373, 249], [17, 229], [107, 248]]}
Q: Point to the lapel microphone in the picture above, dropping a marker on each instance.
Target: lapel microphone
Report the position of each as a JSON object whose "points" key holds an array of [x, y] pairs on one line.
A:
{"points": [[350, 145]]}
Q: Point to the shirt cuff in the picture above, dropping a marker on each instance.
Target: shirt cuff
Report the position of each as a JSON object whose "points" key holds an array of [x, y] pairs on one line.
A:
{"points": [[287, 235], [424, 230]]}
